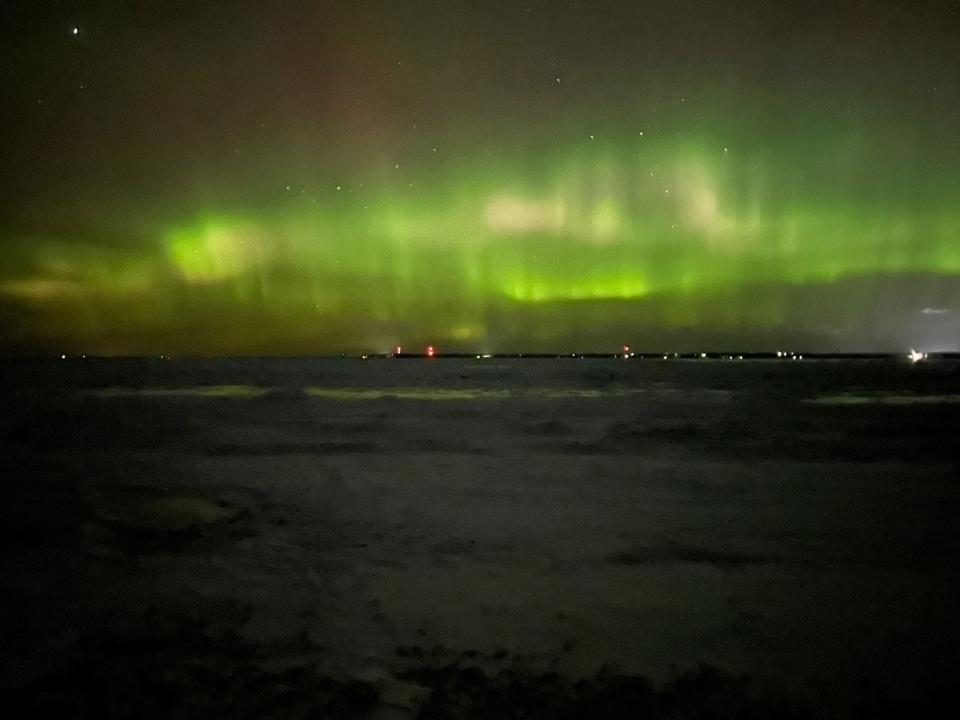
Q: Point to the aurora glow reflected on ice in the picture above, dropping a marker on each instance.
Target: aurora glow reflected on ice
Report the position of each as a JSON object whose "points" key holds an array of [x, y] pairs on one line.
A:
{"points": [[632, 193]]}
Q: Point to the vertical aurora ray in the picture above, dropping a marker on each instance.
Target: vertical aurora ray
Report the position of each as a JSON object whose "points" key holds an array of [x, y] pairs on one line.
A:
{"points": [[596, 223], [592, 223]]}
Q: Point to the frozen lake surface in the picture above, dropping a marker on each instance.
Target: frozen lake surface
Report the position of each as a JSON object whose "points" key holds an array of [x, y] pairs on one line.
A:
{"points": [[360, 536]]}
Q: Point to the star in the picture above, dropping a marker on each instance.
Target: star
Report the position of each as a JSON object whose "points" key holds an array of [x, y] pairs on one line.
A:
{"points": [[74, 31]]}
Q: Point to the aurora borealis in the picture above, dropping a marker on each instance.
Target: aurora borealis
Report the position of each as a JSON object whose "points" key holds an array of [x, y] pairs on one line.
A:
{"points": [[290, 177]]}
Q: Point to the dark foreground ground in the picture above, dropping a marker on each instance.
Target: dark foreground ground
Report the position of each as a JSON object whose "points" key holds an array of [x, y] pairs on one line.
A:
{"points": [[479, 539]]}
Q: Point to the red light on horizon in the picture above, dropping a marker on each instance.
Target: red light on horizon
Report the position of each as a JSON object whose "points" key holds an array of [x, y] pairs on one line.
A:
{"points": [[398, 349], [431, 351], [626, 349]]}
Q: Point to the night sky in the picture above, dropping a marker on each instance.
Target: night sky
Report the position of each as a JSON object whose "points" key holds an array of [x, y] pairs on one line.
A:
{"points": [[279, 176]]}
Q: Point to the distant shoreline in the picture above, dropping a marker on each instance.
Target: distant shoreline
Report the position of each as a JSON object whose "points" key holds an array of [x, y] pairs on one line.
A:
{"points": [[645, 355]]}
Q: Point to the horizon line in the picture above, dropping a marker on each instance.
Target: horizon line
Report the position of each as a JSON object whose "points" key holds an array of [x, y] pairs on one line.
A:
{"points": [[726, 355]]}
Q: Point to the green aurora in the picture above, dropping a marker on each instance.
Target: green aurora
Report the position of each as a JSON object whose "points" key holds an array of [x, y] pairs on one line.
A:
{"points": [[685, 216]]}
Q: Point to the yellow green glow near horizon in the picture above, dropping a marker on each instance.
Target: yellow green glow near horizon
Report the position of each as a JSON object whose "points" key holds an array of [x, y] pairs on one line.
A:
{"points": [[599, 224], [600, 231]]}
